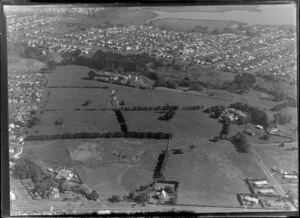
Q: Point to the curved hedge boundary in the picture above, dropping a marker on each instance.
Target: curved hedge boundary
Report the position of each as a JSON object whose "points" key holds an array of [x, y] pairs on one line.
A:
{"points": [[80, 135]]}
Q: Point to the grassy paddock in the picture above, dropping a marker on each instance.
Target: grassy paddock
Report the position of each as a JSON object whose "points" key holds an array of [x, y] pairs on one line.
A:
{"points": [[76, 121], [215, 174]]}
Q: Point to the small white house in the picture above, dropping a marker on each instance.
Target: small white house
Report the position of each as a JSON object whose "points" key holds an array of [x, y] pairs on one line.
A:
{"points": [[260, 183], [259, 127], [250, 199], [266, 191]]}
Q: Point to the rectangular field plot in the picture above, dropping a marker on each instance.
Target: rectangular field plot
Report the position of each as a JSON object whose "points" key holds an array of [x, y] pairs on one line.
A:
{"points": [[145, 121], [70, 75], [194, 124], [160, 97], [72, 98], [75, 121], [215, 174]]}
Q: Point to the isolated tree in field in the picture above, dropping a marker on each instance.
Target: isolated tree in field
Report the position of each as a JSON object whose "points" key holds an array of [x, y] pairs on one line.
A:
{"points": [[91, 75]]}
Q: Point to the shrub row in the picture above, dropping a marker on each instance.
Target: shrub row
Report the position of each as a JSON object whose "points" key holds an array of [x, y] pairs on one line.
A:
{"points": [[149, 135], [144, 108], [85, 87], [160, 166], [121, 120]]}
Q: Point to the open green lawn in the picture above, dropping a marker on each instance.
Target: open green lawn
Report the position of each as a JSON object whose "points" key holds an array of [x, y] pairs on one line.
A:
{"points": [[72, 98], [212, 174], [76, 121], [103, 172]]}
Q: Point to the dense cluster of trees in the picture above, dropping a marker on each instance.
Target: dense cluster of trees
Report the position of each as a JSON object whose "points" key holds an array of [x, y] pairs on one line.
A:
{"points": [[112, 61], [27, 169], [242, 83], [160, 166], [226, 127], [215, 111], [277, 94], [169, 114], [130, 134], [241, 142], [196, 107], [82, 189], [32, 122], [258, 117]]}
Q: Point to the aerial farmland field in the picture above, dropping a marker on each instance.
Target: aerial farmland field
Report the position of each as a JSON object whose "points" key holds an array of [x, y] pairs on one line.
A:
{"points": [[98, 166], [215, 174], [76, 121], [146, 121]]}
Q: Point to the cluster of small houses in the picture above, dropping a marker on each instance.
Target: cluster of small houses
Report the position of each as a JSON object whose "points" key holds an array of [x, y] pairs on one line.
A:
{"points": [[285, 71], [26, 88], [264, 195], [200, 48], [17, 23]]}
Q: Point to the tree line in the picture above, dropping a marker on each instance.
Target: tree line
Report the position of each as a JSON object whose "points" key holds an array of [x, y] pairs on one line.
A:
{"points": [[139, 108], [160, 166], [130, 134]]}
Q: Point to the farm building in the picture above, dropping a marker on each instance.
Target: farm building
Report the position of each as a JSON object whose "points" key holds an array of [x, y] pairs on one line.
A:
{"points": [[260, 183], [290, 176], [250, 199], [259, 127], [266, 191]]}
